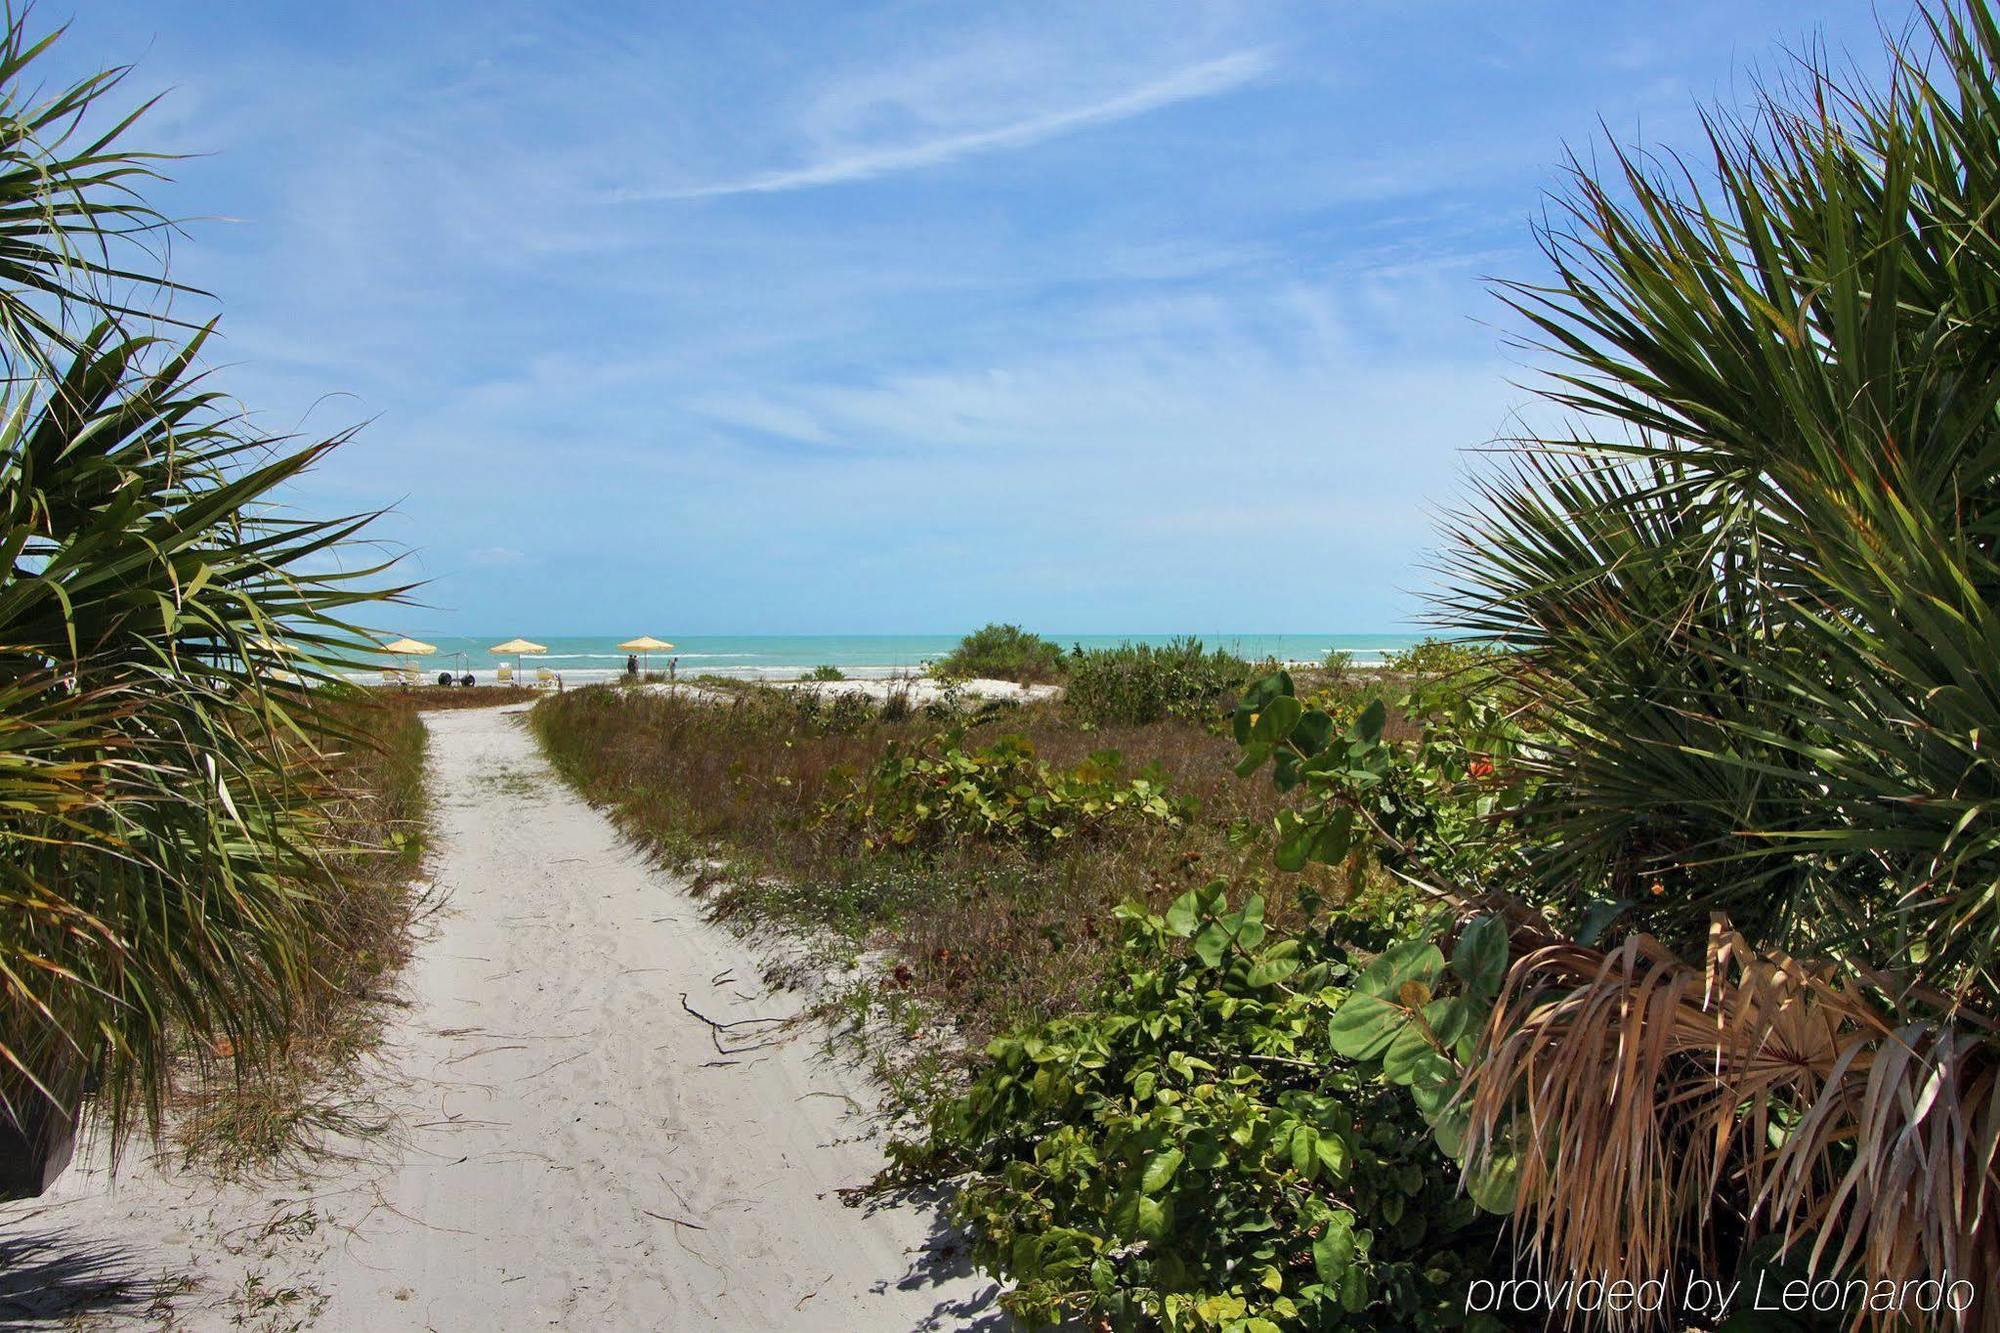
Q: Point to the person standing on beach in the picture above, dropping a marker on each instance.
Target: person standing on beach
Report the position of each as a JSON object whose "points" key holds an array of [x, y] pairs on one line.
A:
{"points": [[673, 668], [631, 664]]}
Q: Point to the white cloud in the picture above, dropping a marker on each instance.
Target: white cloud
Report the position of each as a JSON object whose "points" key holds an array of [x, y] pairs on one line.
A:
{"points": [[1209, 78]]}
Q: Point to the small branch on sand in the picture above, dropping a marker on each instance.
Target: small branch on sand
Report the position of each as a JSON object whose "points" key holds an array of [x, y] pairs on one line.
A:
{"points": [[800, 1304], [716, 1027], [557, 1065], [853, 1105], [730, 1023], [677, 1221]]}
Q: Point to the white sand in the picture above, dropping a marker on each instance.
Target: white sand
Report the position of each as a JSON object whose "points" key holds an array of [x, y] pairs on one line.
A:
{"points": [[918, 690], [572, 1150], [922, 690]]}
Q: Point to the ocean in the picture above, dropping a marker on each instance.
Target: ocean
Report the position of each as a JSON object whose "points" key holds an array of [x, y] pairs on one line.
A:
{"points": [[580, 659]]}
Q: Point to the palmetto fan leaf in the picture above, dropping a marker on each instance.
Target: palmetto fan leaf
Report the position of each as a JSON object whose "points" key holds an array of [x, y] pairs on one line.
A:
{"points": [[156, 790], [1755, 592], [1759, 582], [1646, 1098], [78, 242], [162, 842]]}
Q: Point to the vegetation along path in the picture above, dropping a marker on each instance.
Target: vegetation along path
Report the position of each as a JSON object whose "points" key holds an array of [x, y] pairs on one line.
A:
{"points": [[574, 1146]]}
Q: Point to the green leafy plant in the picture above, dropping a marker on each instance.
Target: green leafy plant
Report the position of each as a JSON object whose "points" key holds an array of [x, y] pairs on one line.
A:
{"points": [[1439, 657], [1430, 809], [1194, 1153], [826, 671], [940, 790]]}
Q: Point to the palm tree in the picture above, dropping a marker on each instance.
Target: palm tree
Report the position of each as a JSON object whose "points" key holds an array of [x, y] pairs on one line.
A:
{"points": [[1754, 590], [162, 873]]}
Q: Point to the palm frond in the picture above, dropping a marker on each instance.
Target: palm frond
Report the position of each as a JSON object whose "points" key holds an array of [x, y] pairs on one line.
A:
{"points": [[1656, 1106]]}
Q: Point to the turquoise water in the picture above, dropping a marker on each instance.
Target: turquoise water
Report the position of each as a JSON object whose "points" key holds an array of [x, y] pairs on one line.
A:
{"points": [[777, 657]]}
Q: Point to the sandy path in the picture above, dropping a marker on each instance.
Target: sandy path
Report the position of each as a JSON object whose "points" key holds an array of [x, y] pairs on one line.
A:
{"points": [[573, 1151]]}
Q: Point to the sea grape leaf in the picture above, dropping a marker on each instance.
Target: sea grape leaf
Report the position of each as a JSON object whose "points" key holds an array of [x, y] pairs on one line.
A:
{"points": [[1276, 719], [1160, 1169], [1416, 960], [1333, 1252], [1364, 1025], [1481, 957], [1313, 732], [1368, 727]]}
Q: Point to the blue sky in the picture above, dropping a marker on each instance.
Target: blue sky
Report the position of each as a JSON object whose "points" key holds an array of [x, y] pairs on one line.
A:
{"points": [[805, 318]]}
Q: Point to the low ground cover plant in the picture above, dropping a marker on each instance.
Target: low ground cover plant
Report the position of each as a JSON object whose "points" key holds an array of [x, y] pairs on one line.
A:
{"points": [[1152, 980], [1194, 1151], [945, 789]]}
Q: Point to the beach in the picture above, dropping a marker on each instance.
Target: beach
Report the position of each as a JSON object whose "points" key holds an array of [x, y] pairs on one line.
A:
{"points": [[594, 659]]}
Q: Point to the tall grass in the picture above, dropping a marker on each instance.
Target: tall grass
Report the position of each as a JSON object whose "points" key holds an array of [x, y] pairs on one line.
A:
{"points": [[989, 933], [252, 1109]]}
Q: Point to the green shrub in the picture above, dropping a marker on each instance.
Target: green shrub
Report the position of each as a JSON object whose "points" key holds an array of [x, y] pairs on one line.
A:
{"points": [[1437, 657], [1003, 652], [1135, 684], [1195, 1155], [940, 791], [826, 671]]}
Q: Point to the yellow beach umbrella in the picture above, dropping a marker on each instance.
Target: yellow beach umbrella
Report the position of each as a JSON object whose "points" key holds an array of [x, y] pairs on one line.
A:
{"points": [[646, 644], [517, 646], [410, 648]]}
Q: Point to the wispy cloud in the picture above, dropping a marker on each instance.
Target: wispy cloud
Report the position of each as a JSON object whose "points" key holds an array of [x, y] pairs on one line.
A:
{"points": [[1208, 78]]}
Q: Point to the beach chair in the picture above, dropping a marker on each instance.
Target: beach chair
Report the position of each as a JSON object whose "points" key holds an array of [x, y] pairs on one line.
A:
{"points": [[504, 676], [546, 679], [394, 676]]}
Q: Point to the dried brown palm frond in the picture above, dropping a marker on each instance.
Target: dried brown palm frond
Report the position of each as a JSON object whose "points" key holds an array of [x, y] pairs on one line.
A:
{"points": [[1655, 1105]]}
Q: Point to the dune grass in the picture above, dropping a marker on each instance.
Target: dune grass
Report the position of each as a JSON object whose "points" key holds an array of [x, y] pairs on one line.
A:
{"points": [[247, 1109]]}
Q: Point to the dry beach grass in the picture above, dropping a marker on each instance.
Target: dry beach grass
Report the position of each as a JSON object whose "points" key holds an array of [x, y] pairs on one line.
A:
{"points": [[973, 935]]}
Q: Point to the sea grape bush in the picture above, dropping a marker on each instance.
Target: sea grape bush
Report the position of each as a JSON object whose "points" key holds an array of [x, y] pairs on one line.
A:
{"points": [[1195, 1153], [941, 790], [1431, 808], [1002, 652], [1136, 684], [1439, 658]]}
